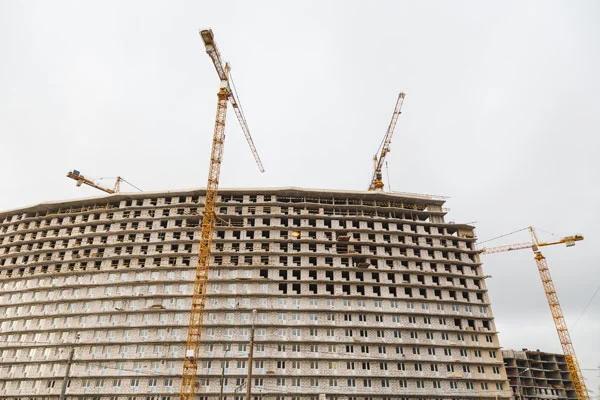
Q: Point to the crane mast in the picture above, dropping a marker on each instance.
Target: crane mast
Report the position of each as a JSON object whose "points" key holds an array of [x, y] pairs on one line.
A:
{"points": [[190, 364], [377, 180], [555, 308], [557, 315]]}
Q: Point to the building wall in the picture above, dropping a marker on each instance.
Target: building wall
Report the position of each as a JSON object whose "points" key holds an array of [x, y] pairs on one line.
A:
{"points": [[359, 295], [536, 375]]}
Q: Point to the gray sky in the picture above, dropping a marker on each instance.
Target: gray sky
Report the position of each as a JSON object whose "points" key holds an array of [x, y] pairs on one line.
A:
{"points": [[500, 115]]}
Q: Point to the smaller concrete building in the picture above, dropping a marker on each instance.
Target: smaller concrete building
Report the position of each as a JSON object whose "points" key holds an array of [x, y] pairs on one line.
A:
{"points": [[536, 375]]}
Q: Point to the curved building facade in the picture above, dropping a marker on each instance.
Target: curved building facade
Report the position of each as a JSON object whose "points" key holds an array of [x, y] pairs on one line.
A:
{"points": [[358, 295]]}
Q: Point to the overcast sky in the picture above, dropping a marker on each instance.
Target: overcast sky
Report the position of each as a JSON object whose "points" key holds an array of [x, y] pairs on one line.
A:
{"points": [[501, 115]]}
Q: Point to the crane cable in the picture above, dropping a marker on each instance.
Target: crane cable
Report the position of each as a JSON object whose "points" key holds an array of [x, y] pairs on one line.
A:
{"points": [[122, 179], [131, 184], [524, 229], [586, 307], [380, 146], [387, 170], [235, 93], [501, 236]]}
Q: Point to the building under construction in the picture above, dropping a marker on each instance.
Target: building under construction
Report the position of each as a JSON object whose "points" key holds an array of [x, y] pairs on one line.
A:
{"points": [[536, 375], [358, 295]]}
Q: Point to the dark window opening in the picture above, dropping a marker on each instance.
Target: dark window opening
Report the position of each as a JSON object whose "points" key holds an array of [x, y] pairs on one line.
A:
{"points": [[391, 277], [283, 288]]}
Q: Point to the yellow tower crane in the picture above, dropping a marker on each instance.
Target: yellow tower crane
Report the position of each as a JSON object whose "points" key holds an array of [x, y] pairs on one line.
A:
{"points": [[190, 364], [384, 148], [76, 175], [552, 297]]}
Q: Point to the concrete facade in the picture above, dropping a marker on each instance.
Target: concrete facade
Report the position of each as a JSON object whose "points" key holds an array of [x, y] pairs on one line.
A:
{"points": [[359, 295], [536, 375]]}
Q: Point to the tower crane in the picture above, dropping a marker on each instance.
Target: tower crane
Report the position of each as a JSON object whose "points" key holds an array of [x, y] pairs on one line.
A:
{"points": [[190, 364], [76, 175], [384, 148], [552, 297]]}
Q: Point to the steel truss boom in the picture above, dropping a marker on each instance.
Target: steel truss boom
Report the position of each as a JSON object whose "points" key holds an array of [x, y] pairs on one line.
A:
{"points": [[377, 180]]}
